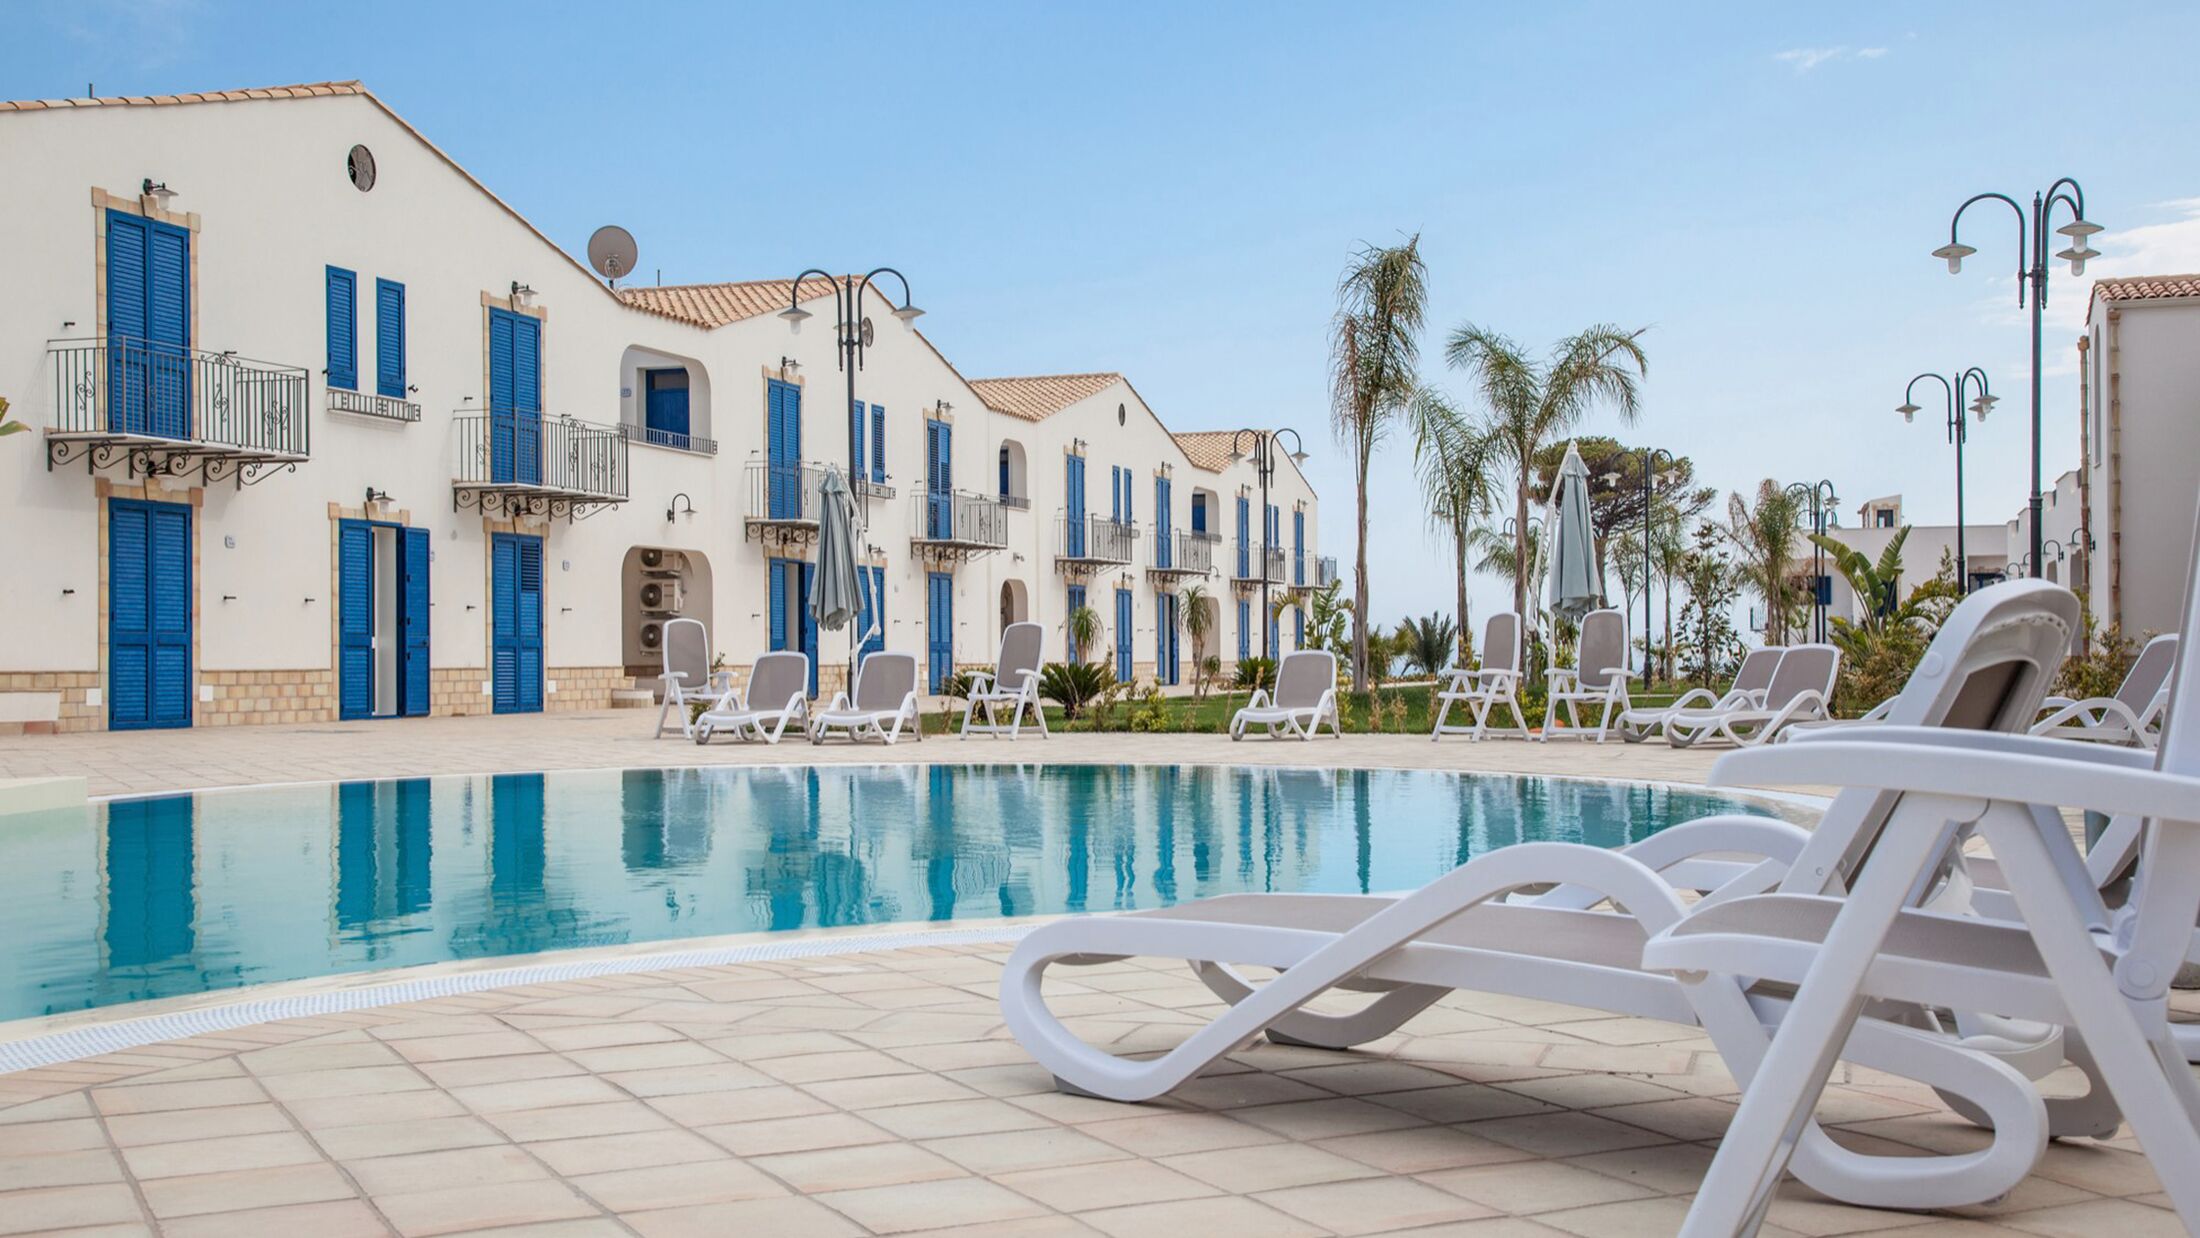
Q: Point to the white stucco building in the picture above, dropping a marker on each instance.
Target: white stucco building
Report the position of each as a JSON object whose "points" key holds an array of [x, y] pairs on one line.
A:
{"points": [[326, 429], [1985, 548]]}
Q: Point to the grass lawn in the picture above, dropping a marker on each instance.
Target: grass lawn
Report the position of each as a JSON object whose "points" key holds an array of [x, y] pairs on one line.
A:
{"points": [[1405, 710]]}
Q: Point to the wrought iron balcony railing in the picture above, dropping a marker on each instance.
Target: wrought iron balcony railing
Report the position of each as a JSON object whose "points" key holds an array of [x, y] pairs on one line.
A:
{"points": [[1184, 553], [695, 443], [1016, 502], [518, 459], [370, 404], [125, 395], [957, 518], [1094, 539], [1249, 560], [782, 491], [1325, 571]]}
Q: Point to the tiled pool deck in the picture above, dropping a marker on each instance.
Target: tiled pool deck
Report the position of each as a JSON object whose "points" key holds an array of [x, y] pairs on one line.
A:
{"points": [[879, 1093]]}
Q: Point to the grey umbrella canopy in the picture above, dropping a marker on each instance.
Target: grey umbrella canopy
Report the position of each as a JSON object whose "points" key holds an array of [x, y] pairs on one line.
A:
{"points": [[1575, 585], [836, 591]]}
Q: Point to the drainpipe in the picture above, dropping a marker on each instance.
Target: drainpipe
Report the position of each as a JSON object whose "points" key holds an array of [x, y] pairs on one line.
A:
{"points": [[2115, 467]]}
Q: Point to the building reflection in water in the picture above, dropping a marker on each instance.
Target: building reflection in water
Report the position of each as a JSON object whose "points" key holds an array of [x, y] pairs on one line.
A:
{"points": [[385, 850], [150, 904]]}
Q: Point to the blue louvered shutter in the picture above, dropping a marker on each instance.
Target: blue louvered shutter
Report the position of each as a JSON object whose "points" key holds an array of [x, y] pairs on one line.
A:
{"points": [[171, 614], [530, 623], [1199, 512], [940, 615], [1298, 547], [1244, 535], [343, 329], [499, 411], [783, 445], [878, 444], [527, 399], [778, 575], [857, 457], [413, 561], [129, 616], [809, 621], [1163, 552], [389, 338], [1245, 629], [1125, 658], [168, 329], [1073, 531], [1128, 512], [873, 580], [354, 620], [1298, 628], [504, 622], [128, 387]]}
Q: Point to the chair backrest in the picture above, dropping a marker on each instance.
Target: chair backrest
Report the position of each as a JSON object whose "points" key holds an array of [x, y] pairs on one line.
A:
{"points": [[1755, 672], [1303, 676], [2149, 674], [687, 652], [778, 678], [1803, 668], [1501, 642], [2167, 889], [1602, 649], [885, 680], [1021, 645], [1988, 669]]}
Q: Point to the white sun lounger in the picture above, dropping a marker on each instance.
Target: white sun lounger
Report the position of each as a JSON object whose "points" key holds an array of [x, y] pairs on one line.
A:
{"points": [[1801, 691], [1305, 697], [1995, 657], [686, 676], [1494, 682], [777, 694], [2068, 962], [885, 701], [1751, 679], [2130, 717], [1599, 680], [1013, 682]]}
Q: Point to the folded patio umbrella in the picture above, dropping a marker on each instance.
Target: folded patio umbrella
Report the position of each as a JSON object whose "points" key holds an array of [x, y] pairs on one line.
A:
{"points": [[1576, 586], [836, 595]]}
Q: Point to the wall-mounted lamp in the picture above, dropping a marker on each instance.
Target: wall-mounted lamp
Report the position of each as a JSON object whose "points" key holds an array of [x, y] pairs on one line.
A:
{"points": [[787, 365], [522, 294], [941, 408], [375, 496], [1077, 444], [412, 389], [159, 192], [674, 508]]}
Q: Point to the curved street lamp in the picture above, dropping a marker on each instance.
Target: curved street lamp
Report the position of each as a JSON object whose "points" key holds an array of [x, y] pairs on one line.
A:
{"points": [[1650, 478], [1263, 456], [2032, 258], [852, 333], [1958, 433], [1823, 502]]}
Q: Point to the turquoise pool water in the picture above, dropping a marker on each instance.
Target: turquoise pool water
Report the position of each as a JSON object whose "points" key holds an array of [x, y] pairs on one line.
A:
{"points": [[147, 898]]}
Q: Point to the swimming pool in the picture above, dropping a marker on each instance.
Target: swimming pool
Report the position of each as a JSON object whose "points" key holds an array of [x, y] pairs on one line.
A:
{"points": [[158, 897]]}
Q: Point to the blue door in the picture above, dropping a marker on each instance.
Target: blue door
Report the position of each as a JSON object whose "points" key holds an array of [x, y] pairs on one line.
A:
{"points": [[1074, 601], [516, 613], [665, 406], [872, 597], [1124, 656], [413, 557], [1163, 553], [792, 625], [150, 865], [1199, 513], [939, 610], [149, 614], [515, 398], [1073, 532], [1244, 533], [148, 327], [1245, 629], [939, 477], [354, 620], [783, 450], [1164, 639]]}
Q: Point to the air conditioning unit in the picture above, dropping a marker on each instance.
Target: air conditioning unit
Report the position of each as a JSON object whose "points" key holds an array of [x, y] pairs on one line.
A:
{"points": [[656, 559], [653, 636], [664, 597]]}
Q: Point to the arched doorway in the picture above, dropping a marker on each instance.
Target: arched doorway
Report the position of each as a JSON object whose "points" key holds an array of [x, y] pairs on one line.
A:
{"points": [[1015, 606]]}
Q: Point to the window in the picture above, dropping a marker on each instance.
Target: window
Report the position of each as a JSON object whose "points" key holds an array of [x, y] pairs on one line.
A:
{"points": [[343, 329], [1883, 518], [389, 338], [1005, 492], [359, 166], [665, 405], [878, 444]]}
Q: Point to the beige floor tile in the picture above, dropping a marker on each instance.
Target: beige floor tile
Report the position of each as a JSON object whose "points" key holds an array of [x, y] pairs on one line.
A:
{"points": [[1373, 1205], [1222, 1214], [478, 1044], [317, 1055], [1266, 1167], [2121, 1218], [1462, 1102], [1078, 1188], [536, 1094], [366, 1110], [1666, 1168], [684, 1080], [782, 1217], [577, 1227], [358, 1143], [644, 1056], [1034, 1149], [162, 1097], [1324, 1119], [601, 1153], [844, 1169], [673, 1186], [1166, 1134], [931, 1205], [473, 1071], [67, 1135], [1536, 1186], [798, 1134], [877, 1092], [1366, 1079], [342, 1218], [446, 1168], [148, 1128], [1421, 1149], [1564, 1134], [817, 1067], [700, 1109], [67, 1207], [1489, 1227], [77, 1168], [939, 1119], [604, 1035], [1590, 1091], [357, 1081], [243, 1189], [577, 1121], [206, 1156], [421, 1214]]}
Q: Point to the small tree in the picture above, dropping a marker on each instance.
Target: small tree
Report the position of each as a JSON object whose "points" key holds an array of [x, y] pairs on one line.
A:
{"points": [[1197, 625], [1427, 643], [1084, 631], [1707, 639]]}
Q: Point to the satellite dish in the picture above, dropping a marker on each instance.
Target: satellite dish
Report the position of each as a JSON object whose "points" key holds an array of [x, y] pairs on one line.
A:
{"points": [[612, 252]]}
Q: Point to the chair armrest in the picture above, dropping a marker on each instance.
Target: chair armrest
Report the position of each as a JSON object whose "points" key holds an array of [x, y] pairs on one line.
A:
{"points": [[980, 681], [1259, 699], [2028, 747], [1710, 701], [2064, 780]]}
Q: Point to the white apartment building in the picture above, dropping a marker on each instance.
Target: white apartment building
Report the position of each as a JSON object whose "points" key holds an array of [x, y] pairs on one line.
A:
{"points": [[328, 430], [1985, 551]]}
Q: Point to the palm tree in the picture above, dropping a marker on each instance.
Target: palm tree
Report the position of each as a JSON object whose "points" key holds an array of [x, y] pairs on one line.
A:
{"points": [[1196, 625], [1452, 456], [1764, 537], [1532, 404], [1427, 644], [1084, 631], [1874, 583], [1373, 354]]}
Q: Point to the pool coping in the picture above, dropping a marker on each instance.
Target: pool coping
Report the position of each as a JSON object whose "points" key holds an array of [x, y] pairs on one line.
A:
{"points": [[49, 1040]]}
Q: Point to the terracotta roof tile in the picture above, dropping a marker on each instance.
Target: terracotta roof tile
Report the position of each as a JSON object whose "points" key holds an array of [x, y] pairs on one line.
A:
{"points": [[715, 305], [304, 90], [1207, 449], [2147, 287], [1040, 396]]}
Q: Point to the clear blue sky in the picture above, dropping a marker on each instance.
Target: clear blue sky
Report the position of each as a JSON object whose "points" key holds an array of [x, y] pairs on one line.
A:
{"points": [[1171, 190]]}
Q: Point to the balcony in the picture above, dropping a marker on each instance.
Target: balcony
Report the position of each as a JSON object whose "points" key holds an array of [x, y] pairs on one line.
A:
{"points": [[1016, 502], [1245, 571], [1181, 554], [782, 499], [694, 443], [519, 463], [164, 410], [1325, 572], [1082, 543], [368, 404], [956, 526]]}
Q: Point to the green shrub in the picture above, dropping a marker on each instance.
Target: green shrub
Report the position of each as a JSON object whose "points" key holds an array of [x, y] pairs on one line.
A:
{"points": [[1075, 685], [1256, 673]]}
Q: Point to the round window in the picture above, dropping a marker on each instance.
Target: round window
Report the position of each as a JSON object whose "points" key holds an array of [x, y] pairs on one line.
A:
{"points": [[1122, 415], [359, 164]]}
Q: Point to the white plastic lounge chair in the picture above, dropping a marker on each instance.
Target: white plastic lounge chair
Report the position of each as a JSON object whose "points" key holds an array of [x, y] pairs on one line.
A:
{"points": [[885, 701], [1598, 679], [778, 693], [1493, 682], [1995, 658], [1305, 697], [1013, 682], [2130, 717], [1751, 679], [686, 675], [2067, 962], [1801, 691]]}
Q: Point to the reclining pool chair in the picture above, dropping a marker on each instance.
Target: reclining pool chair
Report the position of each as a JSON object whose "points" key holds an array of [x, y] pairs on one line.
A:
{"points": [[1492, 683], [1751, 679], [2068, 962], [1988, 667], [1305, 697], [1801, 691], [778, 693], [1013, 682], [885, 701], [1598, 679], [2131, 716], [686, 675]]}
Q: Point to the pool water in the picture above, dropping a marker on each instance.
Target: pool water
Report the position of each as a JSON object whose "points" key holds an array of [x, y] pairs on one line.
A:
{"points": [[146, 898]]}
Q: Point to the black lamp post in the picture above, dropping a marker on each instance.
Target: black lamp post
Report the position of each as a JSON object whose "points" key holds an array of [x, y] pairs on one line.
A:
{"points": [[853, 334], [1957, 434], [1263, 455], [1649, 510], [1823, 501], [2032, 260]]}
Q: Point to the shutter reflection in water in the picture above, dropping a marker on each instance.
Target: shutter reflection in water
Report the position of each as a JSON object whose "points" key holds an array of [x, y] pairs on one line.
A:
{"points": [[144, 898]]}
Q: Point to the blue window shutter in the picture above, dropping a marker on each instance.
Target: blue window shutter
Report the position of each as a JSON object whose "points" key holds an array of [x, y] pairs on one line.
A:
{"points": [[503, 624], [128, 389], [1244, 533], [809, 622], [947, 457], [129, 615], [354, 620], [1125, 658], [1298, 547], [779, 604], [530, 623], [499, 411], [1199, 513], [1004, 472], [389, 338], [168, 328], [527, 399], [343, 329], [413, 559], [1298, 628], [1245, 629], [856, 455], [171, 613], [878, 444]]}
